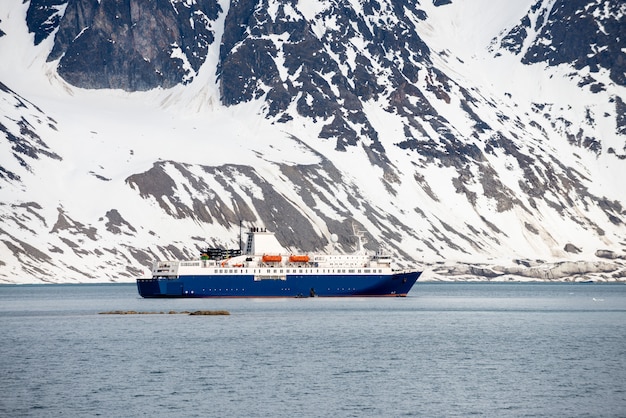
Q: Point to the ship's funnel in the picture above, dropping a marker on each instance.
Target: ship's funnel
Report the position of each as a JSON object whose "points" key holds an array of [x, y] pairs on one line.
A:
{"points": [[260, 241]]}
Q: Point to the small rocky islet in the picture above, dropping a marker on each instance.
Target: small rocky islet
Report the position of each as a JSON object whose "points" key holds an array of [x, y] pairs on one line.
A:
{"points": [[204, 312]]}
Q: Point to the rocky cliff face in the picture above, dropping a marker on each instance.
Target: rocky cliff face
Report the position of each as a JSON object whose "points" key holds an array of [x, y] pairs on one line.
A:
{"points": [[590, 38], [580, 32], [508, 151], [129, 44]]}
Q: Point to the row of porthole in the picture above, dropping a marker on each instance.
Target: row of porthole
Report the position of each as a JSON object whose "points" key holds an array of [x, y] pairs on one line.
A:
{"points": [[298, 271], [343, 289]]}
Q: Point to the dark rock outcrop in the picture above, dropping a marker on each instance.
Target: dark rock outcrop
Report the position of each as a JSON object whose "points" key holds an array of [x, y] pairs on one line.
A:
{"points": [[129, 44]]}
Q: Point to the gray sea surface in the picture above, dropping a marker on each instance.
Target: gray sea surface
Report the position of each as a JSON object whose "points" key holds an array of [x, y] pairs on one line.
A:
{"points": [[446, 350]]}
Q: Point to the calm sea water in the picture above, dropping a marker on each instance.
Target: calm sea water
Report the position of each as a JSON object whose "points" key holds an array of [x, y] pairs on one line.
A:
{"points": [[447, 350]]}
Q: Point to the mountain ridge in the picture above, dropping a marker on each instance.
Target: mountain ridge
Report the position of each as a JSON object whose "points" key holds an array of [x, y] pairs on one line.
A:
{"points": [[309, 118]]}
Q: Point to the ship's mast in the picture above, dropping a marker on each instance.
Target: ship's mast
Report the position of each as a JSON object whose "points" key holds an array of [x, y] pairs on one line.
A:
{"points": [[240, 242], [360, 239]]}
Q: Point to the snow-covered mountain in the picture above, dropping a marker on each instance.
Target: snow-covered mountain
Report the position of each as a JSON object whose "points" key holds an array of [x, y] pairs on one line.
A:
{"points": [[474, 138]]}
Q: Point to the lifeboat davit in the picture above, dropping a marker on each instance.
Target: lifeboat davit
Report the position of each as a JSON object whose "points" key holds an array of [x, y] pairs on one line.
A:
{"points": [[270, 258], [298, 258]]}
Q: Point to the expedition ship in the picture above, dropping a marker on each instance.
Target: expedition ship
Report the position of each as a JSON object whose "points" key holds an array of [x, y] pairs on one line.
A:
{"points": [[266, 269]]}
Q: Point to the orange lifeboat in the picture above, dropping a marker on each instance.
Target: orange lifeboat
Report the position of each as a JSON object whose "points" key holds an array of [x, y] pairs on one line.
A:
{"points": [[298, 258], [270, 258]]}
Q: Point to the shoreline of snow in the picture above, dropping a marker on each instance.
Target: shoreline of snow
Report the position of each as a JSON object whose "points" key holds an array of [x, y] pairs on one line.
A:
{"points": [[529, 271]]}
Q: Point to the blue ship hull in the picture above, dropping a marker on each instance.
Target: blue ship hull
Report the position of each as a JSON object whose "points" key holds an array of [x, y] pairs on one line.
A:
{"points": [[241, 285]]}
